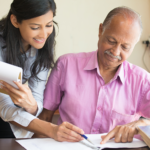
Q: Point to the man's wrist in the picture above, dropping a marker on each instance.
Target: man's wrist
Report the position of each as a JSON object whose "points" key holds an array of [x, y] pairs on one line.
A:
{"points": [[144, 121]]}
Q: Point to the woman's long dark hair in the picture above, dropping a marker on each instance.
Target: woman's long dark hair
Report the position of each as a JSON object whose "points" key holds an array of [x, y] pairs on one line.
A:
{"points": [[23, 10]]}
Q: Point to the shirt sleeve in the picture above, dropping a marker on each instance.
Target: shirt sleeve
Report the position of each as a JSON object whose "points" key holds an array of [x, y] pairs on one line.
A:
{"points": [[144, 105], [54, 87], [9, 112], [37, 88]]}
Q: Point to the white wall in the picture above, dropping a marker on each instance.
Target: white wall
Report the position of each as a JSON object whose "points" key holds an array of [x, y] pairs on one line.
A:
{"points": [[79, 22], [4, 7]]}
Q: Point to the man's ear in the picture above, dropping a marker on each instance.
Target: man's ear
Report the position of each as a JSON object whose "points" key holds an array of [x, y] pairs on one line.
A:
{"points": [[14, 21], [100, 29]]}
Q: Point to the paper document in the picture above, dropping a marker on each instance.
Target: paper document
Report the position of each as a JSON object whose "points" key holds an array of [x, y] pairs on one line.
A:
{"points": [[10, 73], [144, 131], [50, 144]]}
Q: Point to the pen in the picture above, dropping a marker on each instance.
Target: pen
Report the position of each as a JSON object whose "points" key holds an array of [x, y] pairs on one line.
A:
{"points": [[85, 137]]}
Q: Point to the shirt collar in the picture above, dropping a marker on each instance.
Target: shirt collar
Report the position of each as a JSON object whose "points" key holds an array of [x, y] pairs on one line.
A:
{"points": [[120, 73], [31, 52], [93, 63]]}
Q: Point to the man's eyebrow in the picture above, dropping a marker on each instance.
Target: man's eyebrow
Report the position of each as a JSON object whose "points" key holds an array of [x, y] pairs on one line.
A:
{"points": [[112, 38], [127, 44], [39, 24]]}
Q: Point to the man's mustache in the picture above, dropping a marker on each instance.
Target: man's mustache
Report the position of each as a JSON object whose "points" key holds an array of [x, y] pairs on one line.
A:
{"points": [[109, 53]]}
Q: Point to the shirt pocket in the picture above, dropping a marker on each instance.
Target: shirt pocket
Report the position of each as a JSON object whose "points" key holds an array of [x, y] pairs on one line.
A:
{"points": [[117, 118]]}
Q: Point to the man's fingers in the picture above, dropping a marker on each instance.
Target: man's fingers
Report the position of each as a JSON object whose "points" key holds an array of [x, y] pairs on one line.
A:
{"points": [[132, 132], [107, 137], [122, 133], [125, 134], [103, 136], [119, 134]]}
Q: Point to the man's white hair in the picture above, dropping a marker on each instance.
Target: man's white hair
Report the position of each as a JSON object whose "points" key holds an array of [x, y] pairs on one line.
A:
{"points": [[126, 13]]}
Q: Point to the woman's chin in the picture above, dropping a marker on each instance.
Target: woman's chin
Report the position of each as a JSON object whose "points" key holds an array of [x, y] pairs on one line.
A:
{"points": [[38, 46]]}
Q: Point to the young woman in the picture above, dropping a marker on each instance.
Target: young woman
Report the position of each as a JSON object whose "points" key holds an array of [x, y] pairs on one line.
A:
{"points": [[27, 40]]}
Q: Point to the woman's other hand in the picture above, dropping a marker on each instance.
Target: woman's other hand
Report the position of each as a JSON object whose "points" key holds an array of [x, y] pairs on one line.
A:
{"points": [[21, 97]]}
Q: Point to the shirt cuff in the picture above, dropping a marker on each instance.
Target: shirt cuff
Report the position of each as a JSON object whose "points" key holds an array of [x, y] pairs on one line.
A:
{"points": [[23, 118], [40, 108], [20, 133]]}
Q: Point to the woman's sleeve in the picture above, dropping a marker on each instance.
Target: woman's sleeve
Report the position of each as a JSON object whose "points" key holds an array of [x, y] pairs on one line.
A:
{"points": [[9, 112], [37, 88]]}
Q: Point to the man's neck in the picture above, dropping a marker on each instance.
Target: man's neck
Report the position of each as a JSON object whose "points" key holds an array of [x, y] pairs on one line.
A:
{"points": [[107, 72]]}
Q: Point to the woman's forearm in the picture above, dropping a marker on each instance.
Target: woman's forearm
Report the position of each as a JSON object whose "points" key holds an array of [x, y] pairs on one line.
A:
{"points": [[63, 132], [39, 127]]}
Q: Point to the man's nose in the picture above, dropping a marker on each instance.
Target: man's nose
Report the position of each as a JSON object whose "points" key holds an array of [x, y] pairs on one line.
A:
{"points": [[116, 50]]}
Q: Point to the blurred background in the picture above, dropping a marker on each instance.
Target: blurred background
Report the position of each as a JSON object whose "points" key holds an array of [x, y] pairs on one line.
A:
{"points": [[79, 21]]}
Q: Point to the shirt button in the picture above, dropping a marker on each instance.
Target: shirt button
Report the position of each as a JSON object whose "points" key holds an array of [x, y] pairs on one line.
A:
{"points": [[99, 108]]}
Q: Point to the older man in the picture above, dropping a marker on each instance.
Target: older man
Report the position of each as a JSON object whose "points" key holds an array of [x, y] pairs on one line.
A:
{"points": [[100, 91]]}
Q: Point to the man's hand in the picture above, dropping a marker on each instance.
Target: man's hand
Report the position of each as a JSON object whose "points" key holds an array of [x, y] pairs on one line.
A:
{"points": [[124, 133], [67, 132]]}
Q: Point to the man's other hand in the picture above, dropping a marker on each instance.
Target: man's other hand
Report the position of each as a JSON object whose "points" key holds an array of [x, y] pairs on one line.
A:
{"points": [[124, 133]]}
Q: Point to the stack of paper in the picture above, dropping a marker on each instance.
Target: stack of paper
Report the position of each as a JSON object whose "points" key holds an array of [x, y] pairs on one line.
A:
{"points": [[10, 73], [144, 131], [50, 144]]}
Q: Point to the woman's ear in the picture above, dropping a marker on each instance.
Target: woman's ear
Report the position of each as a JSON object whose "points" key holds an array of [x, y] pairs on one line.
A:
{"points": [[14, 21]]}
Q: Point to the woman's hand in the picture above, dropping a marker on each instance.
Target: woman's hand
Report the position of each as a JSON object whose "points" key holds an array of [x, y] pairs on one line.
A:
{"points": [[22, 96], [67, 132]]}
